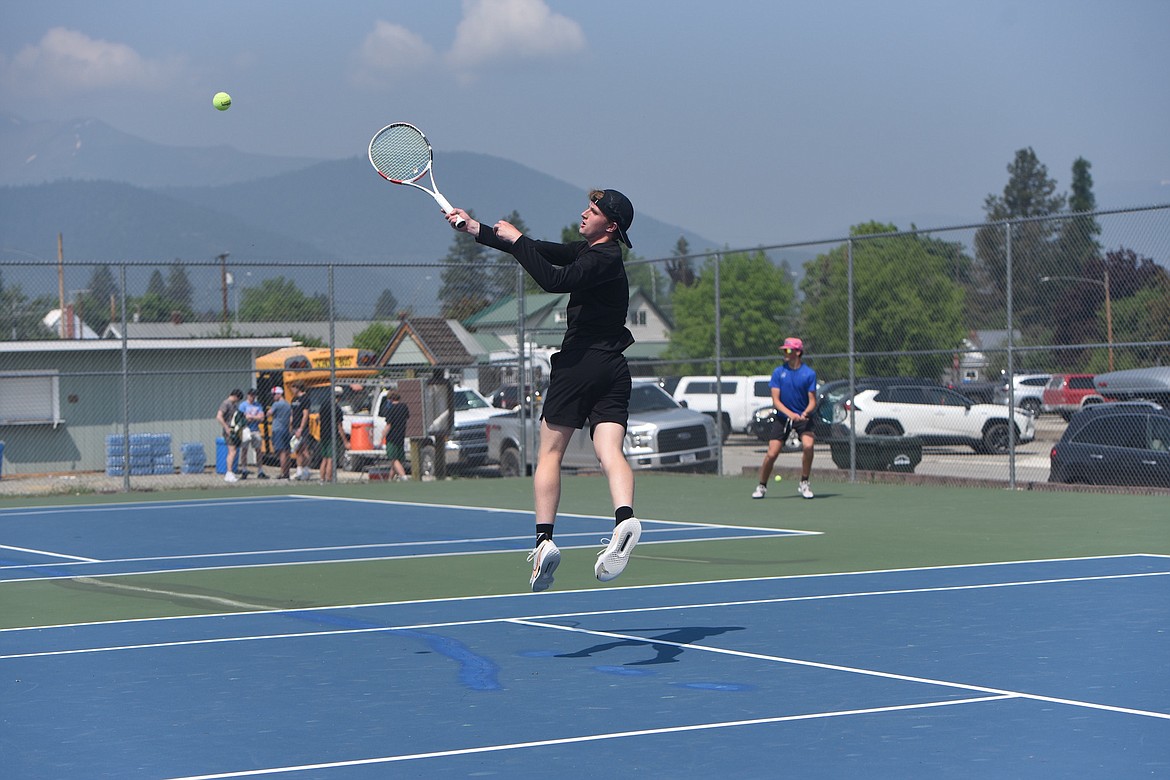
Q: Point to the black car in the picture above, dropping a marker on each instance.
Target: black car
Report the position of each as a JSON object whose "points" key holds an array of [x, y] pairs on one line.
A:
{"points": [[508, 396], [1125, 443]]}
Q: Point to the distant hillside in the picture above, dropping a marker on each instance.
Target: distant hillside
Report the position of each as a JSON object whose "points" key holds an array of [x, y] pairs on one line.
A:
{"points": [[38, 152], [104, 221], [116, 198], [353, 215]]}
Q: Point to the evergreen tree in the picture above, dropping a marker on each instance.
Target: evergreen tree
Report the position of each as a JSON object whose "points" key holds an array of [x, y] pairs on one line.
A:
{"points": [[179, 288], [466, 282], [386, 307], [1029, 193]]}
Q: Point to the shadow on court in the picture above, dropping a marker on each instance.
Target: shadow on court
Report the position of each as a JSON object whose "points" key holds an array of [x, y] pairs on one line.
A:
{"points": [[668, 645]]}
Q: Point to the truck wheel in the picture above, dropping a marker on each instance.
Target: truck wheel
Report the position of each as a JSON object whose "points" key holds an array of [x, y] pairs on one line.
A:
{"points": [[510, 465]]}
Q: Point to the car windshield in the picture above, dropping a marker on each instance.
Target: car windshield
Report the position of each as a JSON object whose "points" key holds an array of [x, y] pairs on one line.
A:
{"points": [[465, 399], [650, 398]]}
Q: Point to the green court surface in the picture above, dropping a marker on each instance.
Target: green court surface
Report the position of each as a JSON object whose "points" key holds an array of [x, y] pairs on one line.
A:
{"points": [[860, 527]]}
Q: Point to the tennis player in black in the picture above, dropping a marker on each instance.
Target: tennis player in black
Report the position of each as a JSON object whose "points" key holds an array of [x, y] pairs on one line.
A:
{"points": [[590, 380]]}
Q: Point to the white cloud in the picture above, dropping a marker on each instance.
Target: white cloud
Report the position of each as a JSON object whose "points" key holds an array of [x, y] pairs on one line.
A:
{"points": [[500, 30], [67, 62], [388, 52]]}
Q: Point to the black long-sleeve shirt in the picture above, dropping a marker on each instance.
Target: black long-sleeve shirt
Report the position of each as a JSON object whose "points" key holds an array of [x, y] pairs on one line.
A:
{"points": [[595, 278]]}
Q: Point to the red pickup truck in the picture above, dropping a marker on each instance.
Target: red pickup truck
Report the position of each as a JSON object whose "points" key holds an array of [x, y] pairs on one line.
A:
{"points": [[1065, 394]]}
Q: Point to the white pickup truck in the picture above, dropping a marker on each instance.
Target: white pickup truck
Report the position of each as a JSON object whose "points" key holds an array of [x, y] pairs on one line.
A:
{"points": [[660, 435], [465, 449], [734, 399]]}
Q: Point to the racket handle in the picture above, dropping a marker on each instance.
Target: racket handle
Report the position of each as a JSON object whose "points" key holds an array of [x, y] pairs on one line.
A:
{"points": [[448, 208]]}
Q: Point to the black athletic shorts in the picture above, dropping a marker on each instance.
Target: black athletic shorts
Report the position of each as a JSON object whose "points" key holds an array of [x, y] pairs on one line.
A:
{"points": [[781, 427], [588, 385]]}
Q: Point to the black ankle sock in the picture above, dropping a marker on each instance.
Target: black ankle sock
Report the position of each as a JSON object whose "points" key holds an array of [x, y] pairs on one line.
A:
{"points": [[622, 513], [543, 531]]}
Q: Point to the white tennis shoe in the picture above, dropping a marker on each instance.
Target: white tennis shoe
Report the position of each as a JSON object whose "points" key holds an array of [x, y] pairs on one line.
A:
{"points": [[804, 490], [545, 558], [759, 492], [613, 559]]}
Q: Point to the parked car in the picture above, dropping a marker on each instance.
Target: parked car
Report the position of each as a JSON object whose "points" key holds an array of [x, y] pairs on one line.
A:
{"points": [[1123, 443], [508, 396], [660, 435], [1132, 384], [734, 398], [831, 398], [1067, 394], [937, 415], [1028, 390]]}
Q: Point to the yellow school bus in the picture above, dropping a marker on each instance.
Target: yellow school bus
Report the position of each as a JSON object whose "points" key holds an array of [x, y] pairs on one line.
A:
{"points": [[310, 366]]}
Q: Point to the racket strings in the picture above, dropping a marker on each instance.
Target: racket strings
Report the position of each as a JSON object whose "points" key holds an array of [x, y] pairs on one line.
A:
{"points": [[400, 152]]}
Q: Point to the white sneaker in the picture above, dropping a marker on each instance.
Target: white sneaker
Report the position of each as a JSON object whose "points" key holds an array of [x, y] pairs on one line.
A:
{"points": [[230, 477], [544, 558], [759, 492], [613, 559], [804, 490]]}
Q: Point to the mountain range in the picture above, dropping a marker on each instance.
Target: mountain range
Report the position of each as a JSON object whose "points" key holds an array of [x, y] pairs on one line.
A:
{"points": [[114, 197]]}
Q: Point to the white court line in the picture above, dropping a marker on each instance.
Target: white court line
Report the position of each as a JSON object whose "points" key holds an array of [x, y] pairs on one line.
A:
{"points": [[549, 616], [123, 506], [849, 669], [788, 531], [589, 738], [338, 548], [71, 558], [386, 545], [490, 597]]}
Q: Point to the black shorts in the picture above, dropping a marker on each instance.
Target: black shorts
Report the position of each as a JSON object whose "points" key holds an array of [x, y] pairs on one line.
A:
{"points": [[782, 426], [588, 385]]}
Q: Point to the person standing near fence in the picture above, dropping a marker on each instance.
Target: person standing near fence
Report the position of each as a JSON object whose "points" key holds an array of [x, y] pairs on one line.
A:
{"points": [[300, 430], [227, 419], [332, 435], [396, 414], [251, 440], [280, 430], [590, 379], [794, 395]]}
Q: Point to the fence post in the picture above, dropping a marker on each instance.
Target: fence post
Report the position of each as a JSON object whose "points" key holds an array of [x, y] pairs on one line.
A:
{"points": [[718, 364], [852, 360], [125, 387], [1011, 410]]}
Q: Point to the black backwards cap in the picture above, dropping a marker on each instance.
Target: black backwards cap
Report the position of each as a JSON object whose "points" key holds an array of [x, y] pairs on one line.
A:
{"points": [[617, 209]]}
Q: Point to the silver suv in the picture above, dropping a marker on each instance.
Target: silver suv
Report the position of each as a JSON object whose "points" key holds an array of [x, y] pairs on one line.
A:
{"points": [[1028, 391]]}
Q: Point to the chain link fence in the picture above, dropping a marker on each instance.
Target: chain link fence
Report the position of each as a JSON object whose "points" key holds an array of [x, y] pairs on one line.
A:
{"points": [[112, 374]]}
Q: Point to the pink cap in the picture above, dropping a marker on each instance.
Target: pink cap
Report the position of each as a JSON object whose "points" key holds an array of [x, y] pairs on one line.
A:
{"points": [[791, 343]]}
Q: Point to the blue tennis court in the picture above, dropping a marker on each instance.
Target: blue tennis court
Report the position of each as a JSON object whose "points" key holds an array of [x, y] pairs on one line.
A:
{"points": [[1032, 668]]}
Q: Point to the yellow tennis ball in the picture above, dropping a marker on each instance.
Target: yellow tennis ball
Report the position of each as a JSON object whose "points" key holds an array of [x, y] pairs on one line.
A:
{"points": [[778, 477], [222, 101]]}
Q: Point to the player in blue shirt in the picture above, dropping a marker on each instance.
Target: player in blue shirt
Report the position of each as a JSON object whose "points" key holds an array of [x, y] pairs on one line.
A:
{"points": [[794, 394]]}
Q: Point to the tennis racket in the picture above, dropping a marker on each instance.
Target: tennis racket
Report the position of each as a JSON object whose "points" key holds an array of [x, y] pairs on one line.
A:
{"points": [[401, 154]]}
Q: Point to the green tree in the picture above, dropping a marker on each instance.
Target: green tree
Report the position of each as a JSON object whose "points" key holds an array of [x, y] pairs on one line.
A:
{"points": [[1030, 193], [93, 304], [904, 301], [20, 317], [279, 298], [467, 279], [756, 311], [386, 307], [157, 284], [376, 337], [179, 288]]}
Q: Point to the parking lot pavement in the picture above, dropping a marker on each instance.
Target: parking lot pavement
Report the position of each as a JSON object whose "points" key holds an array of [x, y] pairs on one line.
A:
{"points": [[743, 454]]}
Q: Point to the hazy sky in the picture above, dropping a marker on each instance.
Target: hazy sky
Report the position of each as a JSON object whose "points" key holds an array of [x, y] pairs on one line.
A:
{"points": [[749, 122]]}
